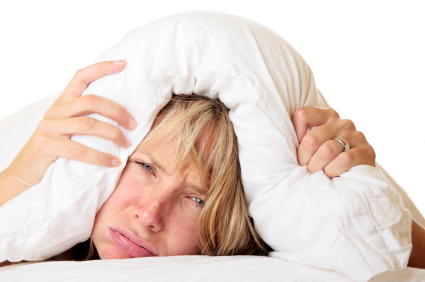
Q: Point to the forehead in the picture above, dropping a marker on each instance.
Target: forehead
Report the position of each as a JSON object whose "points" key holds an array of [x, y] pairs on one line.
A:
{"points": [[165, 157], [164, 160], [183, 142]]}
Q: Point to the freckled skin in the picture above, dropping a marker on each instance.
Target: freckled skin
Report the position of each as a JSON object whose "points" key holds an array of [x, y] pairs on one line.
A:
{"points": [[155, 206]]}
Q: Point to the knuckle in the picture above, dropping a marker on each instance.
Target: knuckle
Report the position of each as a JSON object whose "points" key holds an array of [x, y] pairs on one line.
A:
{"points": [[99, 158], [121, 112], [332, 112], [79, 152], [79, 73], [360, 136], [347, 159], [327, 151], [117, 135], [114, 134], [310, 142], [87, 123], [42, 141], [300, 114], [90, 101], [370, 152], [348, 123], [49, 113], [43, 125]]}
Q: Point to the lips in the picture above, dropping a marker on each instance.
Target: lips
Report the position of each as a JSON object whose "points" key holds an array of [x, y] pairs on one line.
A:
{"points": [[130, 243]]}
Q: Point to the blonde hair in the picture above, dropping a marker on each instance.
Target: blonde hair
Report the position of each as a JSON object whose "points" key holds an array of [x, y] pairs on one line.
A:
{"points": [[200, 130]]}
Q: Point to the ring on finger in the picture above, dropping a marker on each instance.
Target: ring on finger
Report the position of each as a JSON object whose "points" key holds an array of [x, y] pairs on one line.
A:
{"points": [[345, 146]]}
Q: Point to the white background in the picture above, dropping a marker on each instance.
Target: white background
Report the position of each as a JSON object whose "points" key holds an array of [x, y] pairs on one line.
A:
{"points": [[367, 57]]}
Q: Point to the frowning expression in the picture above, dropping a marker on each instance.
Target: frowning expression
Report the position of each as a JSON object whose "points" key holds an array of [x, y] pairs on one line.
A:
{"points": [[154, 209]]}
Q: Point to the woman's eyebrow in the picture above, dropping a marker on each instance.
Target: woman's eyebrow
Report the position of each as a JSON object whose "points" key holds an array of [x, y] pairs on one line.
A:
{"points": [[199, 189], [154, 162]]}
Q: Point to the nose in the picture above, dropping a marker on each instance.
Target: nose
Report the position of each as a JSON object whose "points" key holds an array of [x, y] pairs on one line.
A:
{"points": [[149, 215]]}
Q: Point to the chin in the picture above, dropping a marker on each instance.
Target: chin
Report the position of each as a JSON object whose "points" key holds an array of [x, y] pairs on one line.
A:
{"points": [[113, 253]]}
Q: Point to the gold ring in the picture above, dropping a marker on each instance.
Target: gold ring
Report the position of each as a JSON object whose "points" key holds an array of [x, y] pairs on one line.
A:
{"points": [[344, 143]]}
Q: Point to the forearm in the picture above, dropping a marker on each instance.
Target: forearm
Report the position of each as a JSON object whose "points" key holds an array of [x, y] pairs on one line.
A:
{"points": [[9, 188], [417, 256]]}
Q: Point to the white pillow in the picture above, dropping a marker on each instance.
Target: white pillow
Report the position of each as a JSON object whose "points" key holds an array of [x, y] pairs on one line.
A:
{"points": [[355, 224]]}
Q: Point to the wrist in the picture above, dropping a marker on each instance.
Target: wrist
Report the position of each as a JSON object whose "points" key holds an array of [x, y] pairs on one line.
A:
{"points": [[9, 186]]}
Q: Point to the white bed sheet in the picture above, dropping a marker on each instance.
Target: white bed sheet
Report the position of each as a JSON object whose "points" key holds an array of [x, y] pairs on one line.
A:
{"points": [[189, 268]]}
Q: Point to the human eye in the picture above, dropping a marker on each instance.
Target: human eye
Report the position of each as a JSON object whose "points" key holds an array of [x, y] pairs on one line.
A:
{"points": [[198, 201], [143, 166]]}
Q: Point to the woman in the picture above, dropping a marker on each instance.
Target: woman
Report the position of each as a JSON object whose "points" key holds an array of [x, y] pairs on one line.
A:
{"points": [[180, 192]]}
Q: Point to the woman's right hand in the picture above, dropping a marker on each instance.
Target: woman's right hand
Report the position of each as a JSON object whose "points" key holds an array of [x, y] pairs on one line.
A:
{"points": [[51, 139]]}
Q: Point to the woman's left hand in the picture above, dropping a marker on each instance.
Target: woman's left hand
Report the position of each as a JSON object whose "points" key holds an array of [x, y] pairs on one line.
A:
{"points": [[317, 148]]}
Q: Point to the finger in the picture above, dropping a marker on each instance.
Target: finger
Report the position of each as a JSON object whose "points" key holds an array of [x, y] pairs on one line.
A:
{"points": [[77, 151], [85, 76], [319, 135], [346, 160], [89, 126], [89, 104], [324, 155], [310, 116]]}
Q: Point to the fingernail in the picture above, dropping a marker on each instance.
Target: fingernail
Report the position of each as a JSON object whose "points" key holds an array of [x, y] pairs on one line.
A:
{"points": [[132, 123], [115, 162], [127, 143], [118, 62]]}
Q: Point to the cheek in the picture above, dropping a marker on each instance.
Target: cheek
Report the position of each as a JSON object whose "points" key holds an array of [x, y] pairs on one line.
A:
{"points": [[113, 210], [127, 193], [184, 235], [103, 219]]}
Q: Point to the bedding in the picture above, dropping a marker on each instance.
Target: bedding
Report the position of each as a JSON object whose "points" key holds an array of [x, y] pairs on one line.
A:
{"points": [[356, 224], [190, 268]]}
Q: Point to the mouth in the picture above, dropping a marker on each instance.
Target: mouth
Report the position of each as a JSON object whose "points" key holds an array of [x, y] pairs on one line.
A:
{"points": [[130, 243]]}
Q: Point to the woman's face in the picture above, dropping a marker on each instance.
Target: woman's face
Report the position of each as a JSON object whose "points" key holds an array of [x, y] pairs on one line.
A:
{"points": [[153, 211]]}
